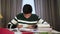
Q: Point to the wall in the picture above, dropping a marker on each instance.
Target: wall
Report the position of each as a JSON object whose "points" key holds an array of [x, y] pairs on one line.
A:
{"points": [[0, 10], [57, 14], [10, 8]]}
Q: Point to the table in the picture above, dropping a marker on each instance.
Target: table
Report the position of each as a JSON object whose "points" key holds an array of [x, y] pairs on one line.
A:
{"points": [[5, 31], [45, 30], [38, 31]]}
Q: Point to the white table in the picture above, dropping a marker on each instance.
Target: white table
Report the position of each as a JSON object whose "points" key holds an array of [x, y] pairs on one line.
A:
{"points": [[39, 30]]}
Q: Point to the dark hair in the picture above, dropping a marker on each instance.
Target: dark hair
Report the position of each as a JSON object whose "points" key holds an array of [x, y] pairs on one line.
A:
{"points": [[27, 9]]}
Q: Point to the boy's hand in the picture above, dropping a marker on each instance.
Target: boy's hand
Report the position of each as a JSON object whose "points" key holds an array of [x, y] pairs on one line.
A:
{"points": [[30, 26], [19, 26]]}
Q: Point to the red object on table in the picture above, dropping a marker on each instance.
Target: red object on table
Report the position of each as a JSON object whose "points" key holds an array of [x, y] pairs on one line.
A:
{"points": [[5, 31], [27, 32]]}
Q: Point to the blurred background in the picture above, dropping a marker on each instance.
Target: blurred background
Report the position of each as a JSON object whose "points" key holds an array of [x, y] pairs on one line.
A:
{"points": [[48, 10]]}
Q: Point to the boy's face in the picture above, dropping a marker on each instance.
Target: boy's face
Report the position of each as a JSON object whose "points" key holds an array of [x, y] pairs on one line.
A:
{"points": [[27, 15]]}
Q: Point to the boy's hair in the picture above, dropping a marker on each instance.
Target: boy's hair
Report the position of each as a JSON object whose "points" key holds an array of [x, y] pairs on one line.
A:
{"points": [[27, 9]]}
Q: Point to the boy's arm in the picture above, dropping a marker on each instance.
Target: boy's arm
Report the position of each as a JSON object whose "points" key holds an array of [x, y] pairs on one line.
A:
{"points": [[13, 23], [42, 23]]}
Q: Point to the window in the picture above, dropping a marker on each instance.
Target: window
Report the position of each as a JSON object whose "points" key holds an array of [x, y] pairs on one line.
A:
{"points": [[31, 2]]}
